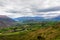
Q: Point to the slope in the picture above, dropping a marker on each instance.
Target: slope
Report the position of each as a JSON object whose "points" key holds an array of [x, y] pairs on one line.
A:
{"points": [[6, 21]]}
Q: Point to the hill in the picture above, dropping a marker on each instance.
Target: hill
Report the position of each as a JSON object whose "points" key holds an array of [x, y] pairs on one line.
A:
{"points": [[6, 21], [38, 31]]}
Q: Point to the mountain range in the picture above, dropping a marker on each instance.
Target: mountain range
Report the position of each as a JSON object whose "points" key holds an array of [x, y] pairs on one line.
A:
{"points": [[6, 21], [31, 19]]}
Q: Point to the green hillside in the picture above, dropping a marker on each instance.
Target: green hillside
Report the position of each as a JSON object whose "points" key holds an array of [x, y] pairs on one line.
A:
{"points": [[32, 31]]}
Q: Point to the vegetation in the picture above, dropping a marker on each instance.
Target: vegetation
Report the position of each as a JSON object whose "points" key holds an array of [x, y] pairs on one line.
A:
{"points": [[32, 31]]}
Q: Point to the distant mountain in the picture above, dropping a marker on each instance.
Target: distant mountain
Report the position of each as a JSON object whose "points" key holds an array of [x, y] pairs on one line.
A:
{"points": [[56, 18], [36, 19], [6, 21], [29, 19]]}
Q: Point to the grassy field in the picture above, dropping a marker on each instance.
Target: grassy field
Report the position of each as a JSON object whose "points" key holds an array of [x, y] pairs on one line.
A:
{"points": [[34, 31]]}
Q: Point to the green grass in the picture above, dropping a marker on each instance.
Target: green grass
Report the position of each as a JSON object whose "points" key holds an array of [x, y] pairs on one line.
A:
{"points": [[49, 31]]}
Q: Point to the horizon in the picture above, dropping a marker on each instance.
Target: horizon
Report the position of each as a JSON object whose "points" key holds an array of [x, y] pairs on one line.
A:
{"points": [[30, 8]]}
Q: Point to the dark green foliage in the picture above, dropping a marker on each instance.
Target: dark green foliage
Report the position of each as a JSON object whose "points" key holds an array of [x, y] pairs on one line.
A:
{"points": [[40, 38]]}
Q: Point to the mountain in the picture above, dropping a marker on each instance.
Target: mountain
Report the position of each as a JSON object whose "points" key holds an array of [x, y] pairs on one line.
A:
{"points": [[56, 18], [29, 19], [36, 19], [6, 21]]}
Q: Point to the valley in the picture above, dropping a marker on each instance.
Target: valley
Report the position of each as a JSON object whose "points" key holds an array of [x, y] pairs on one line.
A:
{"points": [[32, 31]]}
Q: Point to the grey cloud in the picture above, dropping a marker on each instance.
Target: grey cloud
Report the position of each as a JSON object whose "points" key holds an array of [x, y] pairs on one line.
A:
{"points": [[2, 4], [17, 11], [13, 11], [49, 9]]}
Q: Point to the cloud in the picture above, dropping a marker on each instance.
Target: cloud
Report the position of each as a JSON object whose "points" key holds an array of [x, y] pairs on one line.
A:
{"points": [[13, 11], [49, 9], [19, 8]]}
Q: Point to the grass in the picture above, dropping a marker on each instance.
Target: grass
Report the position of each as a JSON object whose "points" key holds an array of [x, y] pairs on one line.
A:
{"points": [[47, 32]]}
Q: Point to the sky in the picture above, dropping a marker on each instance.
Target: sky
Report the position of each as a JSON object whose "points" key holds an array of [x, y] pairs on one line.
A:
{"points": [[23, 8]]}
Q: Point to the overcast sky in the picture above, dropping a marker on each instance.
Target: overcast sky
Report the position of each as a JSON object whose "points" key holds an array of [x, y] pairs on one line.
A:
{"points": [[20, 8]]}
